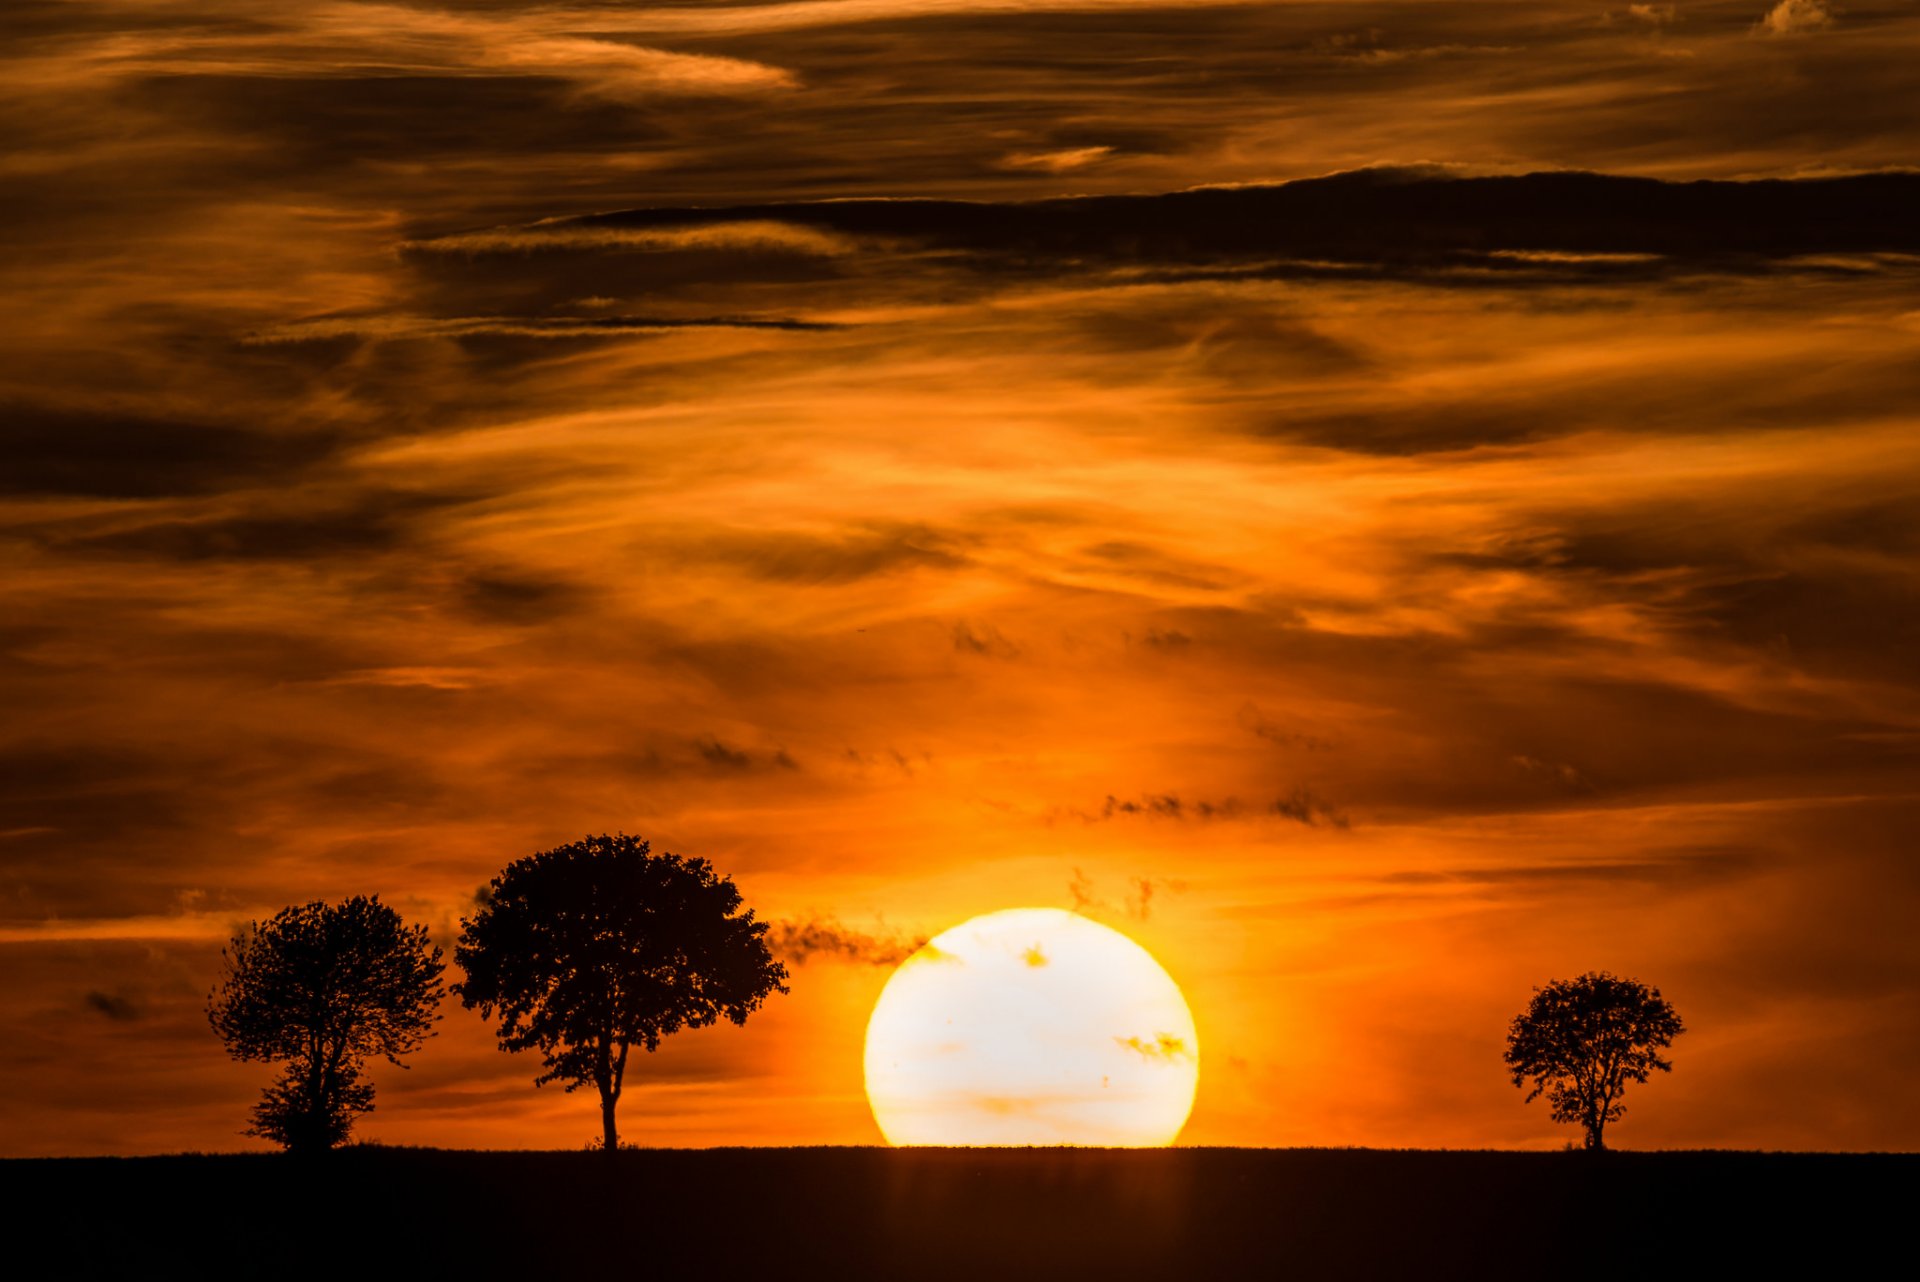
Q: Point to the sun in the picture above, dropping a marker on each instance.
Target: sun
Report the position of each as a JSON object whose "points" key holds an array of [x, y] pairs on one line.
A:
{"points": [[1031, 1026]]}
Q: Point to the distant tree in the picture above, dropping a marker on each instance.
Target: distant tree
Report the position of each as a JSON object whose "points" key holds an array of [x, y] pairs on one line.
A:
{"points": [[324, 987], [1582, 1040], [591, 948]]}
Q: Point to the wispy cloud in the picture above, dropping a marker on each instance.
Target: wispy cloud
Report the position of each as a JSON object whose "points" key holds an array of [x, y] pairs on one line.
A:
{"points": [[1160, 1048], [1383, 214], [758, 236], [784, 15], [1136, 901], [827, 938], [1300, 804], [389, 327], [1796, 17], [1056, 162], [117, 1007], [363, 40]]}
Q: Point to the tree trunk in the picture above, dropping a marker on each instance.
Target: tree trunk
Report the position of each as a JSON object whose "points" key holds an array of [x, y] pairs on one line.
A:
{"points": [[314, 1124], [607, 1102]]}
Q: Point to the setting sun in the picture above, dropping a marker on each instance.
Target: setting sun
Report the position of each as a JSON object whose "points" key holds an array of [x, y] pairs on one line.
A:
{"points": [[1031, 1026]]}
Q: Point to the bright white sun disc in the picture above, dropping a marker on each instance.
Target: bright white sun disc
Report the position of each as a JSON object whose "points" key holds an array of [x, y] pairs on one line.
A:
{"points": [[1031, 1026]]}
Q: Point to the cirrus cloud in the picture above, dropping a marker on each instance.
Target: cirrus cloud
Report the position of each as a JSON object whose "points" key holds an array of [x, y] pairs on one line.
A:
{"points": [[1795, 17], [357, 41]]}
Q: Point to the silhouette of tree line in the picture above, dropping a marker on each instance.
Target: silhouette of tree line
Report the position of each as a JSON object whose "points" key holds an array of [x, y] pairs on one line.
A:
{"points": [[581, 952], [587, 950]]}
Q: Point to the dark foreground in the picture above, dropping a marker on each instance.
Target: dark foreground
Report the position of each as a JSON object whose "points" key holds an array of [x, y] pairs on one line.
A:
{"points": [[987, 1214]]}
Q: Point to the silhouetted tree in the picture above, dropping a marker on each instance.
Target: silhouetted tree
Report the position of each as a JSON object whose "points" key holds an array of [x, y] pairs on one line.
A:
{"points": [[324, 987], [1582, 1040], [593, 947]]}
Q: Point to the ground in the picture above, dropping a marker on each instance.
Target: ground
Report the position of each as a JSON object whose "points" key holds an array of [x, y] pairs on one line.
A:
{"points": [[967, 1213]]}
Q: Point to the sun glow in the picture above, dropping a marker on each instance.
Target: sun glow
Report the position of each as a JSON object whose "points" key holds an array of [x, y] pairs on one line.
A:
{"points": [[1031, 1026]]}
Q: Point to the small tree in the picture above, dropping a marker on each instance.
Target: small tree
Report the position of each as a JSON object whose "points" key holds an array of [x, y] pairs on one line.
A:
{"points": [[325, 987], [593, 947], [1582, 1040]]}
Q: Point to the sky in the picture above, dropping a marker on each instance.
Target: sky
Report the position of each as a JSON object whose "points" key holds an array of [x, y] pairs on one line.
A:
{"points": [[1231, 470]]}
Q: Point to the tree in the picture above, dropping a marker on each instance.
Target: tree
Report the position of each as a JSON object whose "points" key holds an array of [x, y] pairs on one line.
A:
{"points": [[589, 949], [1582, 1040], [325, 987]]}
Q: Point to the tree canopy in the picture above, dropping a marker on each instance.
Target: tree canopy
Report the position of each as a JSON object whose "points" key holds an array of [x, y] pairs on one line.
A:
{"points": [[325, 987], [589, 949], [1582, 1040]]}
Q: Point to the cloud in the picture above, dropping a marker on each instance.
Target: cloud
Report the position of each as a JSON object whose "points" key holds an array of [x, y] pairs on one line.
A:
{"points": [[1369, 46], [803, 557], [748, 236], [1153, 565], [395, 326], [1384, 215], [1675, 868], [1167, 805], [1262, 726], [1796, 17], [1654, 16], [1160, 1048], [826, 937], [1568, 775], [726, 757], [368, 522], [1303, 805], [388, 40], [787, 15], [509, 597], [891, 759], [423, 678], [1138, 901], [1055, 162], [57, 795], [105, 453], [982, 639], [116, 1007]]}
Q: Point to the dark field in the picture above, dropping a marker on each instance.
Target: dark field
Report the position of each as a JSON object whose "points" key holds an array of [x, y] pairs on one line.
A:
{"points": [[1006, 1213]]}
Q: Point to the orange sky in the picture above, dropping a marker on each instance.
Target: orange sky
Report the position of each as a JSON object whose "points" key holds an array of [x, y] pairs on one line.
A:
{"points": [[1371, 639]]}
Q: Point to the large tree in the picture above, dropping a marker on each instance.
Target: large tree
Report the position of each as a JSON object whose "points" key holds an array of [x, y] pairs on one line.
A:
{"points": [[1582, 1040], [323, 988], [591, 948]]}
